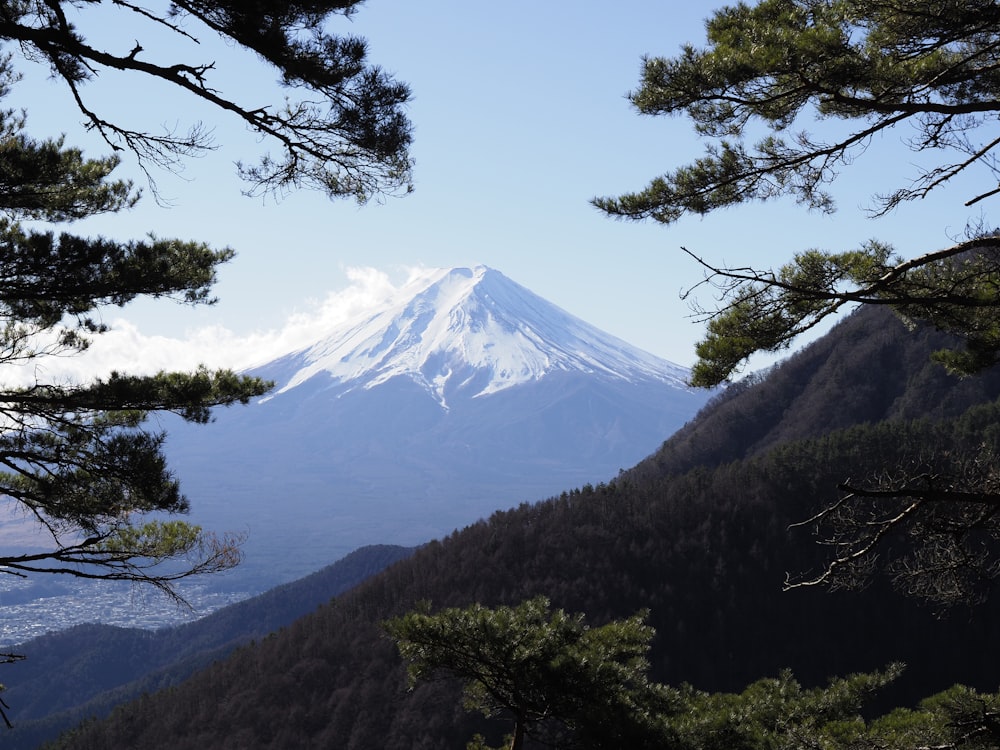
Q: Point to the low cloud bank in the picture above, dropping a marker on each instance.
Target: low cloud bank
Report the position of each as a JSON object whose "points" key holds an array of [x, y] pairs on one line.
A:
{"points": [[126, 348]]}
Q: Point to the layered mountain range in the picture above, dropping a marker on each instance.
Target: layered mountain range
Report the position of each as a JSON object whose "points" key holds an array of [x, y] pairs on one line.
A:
{"points": [[462, 394]]}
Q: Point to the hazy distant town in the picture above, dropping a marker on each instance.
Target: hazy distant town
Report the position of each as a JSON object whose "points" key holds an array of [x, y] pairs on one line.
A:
{"points": [[28, 612]]}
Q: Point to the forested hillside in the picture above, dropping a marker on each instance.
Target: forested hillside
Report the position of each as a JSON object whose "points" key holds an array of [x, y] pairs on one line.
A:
{"points": [[699, 534], [871, 368], [100, 666]]}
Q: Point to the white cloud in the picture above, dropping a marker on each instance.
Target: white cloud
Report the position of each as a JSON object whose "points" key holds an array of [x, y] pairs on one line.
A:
{"points": [[126, 348]]}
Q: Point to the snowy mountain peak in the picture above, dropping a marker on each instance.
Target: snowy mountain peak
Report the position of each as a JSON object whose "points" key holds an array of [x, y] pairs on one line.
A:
{"points": [[474, 331]]}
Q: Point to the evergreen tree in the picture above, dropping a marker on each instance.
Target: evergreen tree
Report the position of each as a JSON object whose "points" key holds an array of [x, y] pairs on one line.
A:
{"points": [[76, 457], [779, 714], [342, 129], [868, 68]]}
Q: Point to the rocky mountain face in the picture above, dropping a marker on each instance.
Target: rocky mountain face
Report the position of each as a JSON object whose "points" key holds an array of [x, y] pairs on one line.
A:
{"points": [[464, 394]]}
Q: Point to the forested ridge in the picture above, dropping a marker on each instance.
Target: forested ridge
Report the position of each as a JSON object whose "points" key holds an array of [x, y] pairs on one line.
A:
{"points": [[870, 369], [100, 666], [698, 534]]}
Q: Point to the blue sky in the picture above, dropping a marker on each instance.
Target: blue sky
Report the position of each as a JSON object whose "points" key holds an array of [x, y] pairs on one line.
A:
{"points": [[520, 118]]}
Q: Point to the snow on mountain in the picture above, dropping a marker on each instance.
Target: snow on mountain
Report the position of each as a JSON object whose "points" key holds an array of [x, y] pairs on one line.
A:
{"points": [[462, 330]]}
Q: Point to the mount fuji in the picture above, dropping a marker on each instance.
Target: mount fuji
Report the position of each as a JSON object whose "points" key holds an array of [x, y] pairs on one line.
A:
{"points": [[463, 394], [466, 333]]}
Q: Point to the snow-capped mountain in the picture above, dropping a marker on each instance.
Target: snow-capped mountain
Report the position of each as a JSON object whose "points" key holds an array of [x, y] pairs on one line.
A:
{"points": [[474, 332], [463, 394]]}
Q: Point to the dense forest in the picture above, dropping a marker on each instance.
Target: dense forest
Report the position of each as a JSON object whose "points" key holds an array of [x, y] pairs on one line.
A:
{"points": [[698, 534]]}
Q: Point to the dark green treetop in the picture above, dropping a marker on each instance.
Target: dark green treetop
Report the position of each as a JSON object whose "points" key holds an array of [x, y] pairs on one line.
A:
{"points": [[545, 670], [855, 70]]}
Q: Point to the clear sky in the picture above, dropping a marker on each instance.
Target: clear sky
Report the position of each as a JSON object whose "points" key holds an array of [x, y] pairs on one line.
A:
{"points": [[520, 118]]}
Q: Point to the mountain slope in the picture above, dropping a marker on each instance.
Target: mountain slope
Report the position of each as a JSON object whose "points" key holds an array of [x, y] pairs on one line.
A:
{"points": [[869, 369], [463, 394], [706, 550]]}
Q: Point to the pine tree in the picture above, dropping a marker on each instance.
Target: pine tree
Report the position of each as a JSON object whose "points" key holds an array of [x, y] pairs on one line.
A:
{"points": [[77, 458], [554, 677], [865, 69], [341, 130]]}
